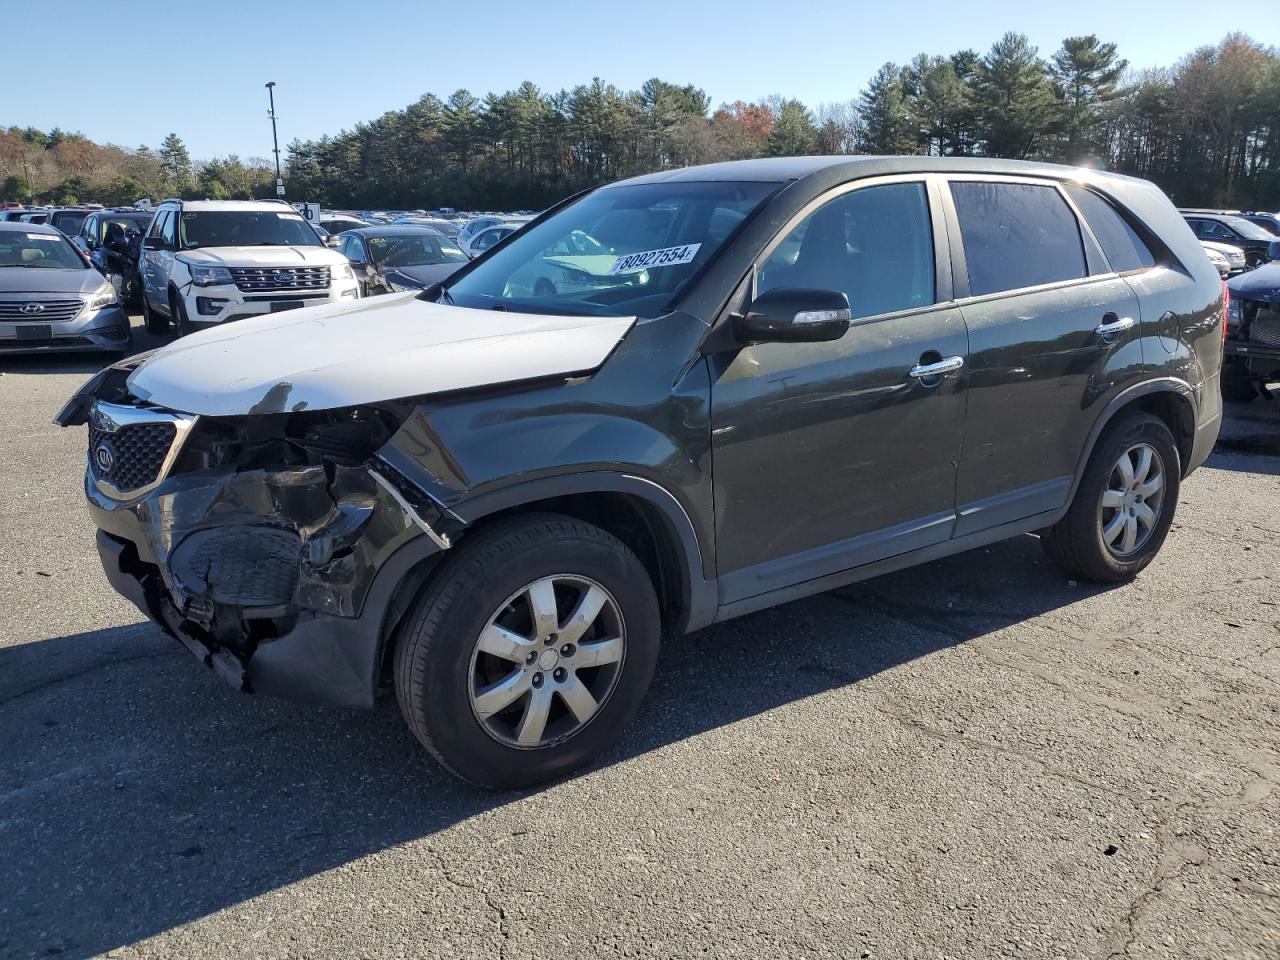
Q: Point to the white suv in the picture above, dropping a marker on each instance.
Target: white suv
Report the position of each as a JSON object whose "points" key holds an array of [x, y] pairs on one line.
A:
{"points": [[206, 262]]}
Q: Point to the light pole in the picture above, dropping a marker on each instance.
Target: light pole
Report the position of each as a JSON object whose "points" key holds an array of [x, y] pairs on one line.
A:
{"points": [[275, 142]]}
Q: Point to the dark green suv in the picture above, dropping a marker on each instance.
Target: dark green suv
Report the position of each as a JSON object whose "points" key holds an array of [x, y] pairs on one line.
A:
{"points": [[755, 382]]}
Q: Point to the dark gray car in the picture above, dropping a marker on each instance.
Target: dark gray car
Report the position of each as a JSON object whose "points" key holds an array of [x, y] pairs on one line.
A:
{"points": [[51, 298], [758, 381], [391, 258]]}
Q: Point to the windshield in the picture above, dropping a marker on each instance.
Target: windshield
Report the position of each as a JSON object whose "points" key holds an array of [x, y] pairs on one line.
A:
{"points": [[42, 251], [414, 251], [619, 251], [1247, 228], [244, 228]]}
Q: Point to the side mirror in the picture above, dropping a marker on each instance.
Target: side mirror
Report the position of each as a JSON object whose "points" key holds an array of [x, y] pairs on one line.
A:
{"points": [[331, 241], [1273, 250], [153, 243], [794, 316]]}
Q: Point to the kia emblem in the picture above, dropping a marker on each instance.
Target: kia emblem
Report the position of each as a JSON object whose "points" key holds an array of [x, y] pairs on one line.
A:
{"points": [[104, 456]]}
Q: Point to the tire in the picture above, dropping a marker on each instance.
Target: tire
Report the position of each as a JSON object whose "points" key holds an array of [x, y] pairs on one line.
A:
{"points": [[178, 311], [442, 674], [1237, 389], [152, 321], [1078, 543]]}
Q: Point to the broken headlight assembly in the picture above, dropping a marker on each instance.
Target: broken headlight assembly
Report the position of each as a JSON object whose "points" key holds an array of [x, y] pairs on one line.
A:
{"points": [[343, 437]]}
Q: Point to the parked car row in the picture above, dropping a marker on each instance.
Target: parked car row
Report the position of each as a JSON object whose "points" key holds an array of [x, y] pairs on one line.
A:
{"points": [[1249, 233]]}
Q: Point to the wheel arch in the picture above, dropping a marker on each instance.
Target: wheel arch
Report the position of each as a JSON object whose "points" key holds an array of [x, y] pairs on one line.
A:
{"points": [[1171, 400], [643, 514]]}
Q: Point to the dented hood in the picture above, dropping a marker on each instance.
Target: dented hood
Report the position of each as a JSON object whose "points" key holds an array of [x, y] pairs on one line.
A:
{"points": [[383, 348]]}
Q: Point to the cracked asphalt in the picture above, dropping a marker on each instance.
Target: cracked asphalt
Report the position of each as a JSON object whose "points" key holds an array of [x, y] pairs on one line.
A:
{"points": [[976, 758]]}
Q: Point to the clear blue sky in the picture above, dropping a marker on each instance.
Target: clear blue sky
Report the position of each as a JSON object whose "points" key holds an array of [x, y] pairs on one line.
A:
{"points": [[129, 73]]}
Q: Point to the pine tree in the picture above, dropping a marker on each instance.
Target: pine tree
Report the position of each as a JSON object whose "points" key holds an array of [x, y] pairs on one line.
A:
{"points": [[1016, 103], [886, 119], [175, 163], [1085, 73], [793, 134]]}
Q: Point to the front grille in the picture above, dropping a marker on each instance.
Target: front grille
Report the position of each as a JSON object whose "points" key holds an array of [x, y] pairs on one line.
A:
{"points": [[259, 279], [132, 456], [39, 311], [1265, 332]]}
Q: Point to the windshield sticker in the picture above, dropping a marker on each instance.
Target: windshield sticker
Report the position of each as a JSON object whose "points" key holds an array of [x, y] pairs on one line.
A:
{"points": [[46, 237], [666, 257], [288, 216]]}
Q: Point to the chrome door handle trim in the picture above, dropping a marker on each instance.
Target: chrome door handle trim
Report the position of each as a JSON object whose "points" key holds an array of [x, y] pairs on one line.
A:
{"points": [[923, 371], [1114, 327]]}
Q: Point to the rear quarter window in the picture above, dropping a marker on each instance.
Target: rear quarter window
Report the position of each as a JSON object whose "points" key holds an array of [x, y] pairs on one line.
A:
{"points": [[1017, 235], [1125, 250]]}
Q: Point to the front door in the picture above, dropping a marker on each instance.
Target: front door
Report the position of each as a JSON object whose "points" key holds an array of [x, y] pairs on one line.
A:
{"points": [[827, 456]]}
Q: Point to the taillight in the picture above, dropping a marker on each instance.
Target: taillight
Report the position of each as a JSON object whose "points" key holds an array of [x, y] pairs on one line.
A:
{"points": [[1226, 307]]}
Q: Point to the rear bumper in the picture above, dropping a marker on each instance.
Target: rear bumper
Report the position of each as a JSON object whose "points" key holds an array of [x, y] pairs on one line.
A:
{"points": [[1255, 354]]}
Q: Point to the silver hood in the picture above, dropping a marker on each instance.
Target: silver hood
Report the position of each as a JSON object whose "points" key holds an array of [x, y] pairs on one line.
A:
{"points": [[383, 348]]}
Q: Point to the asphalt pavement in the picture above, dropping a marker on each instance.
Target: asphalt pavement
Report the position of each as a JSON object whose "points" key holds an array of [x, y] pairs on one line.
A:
{"points": [[976, 758]]}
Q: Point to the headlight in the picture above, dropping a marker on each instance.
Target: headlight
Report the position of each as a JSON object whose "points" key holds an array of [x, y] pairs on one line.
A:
{"points": [[105, 297], [343, 271], [205, 275]]}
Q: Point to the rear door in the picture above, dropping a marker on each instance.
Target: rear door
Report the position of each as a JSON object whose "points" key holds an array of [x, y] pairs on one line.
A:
{"points": [[1052, 331]]}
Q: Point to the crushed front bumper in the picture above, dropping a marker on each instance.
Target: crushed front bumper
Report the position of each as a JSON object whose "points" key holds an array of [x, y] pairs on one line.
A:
{"points": [[285, 581]]}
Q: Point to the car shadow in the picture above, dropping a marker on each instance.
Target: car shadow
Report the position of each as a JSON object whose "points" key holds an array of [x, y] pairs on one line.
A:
{"points": [[137, 793]]}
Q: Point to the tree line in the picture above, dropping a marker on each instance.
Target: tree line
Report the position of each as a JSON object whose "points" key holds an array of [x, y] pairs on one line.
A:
{"points": [[1206, 129]]}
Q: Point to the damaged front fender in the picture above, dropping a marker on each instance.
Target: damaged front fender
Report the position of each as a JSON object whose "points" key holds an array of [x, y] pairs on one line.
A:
{"points": [[269, 572]]}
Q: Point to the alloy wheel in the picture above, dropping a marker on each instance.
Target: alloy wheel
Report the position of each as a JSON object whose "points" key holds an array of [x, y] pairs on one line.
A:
{"points": [[546, 661], [1129, 509]]}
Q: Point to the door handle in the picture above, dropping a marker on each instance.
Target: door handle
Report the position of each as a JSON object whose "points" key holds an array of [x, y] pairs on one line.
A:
{"points": [[926, 371], [1112, 325]]}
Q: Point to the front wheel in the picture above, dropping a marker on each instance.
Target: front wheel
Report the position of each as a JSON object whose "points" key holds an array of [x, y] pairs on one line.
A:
{"points": [[152, 322], [529, 651], [1124, 505]]}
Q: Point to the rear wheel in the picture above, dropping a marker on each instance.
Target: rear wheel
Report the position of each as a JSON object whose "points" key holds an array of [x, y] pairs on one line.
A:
{"points": [[1124, 505], [529, 650]]}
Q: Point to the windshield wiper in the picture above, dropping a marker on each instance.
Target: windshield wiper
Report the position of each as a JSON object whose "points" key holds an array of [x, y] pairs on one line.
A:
{"points": [[444, 294]]}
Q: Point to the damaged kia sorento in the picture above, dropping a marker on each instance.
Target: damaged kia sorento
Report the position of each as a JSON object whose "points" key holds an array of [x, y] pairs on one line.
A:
{"points": [[664, 403]]}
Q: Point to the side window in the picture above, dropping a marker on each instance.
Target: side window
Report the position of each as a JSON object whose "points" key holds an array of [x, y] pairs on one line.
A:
{"points": [[167, 229], [354, 250], [1124, 248], [157, 225], [874, 244], [1017, 235]]}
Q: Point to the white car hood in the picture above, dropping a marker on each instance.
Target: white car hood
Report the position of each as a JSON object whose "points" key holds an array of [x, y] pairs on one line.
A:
{"points": [[264, 256], [383, 348]]}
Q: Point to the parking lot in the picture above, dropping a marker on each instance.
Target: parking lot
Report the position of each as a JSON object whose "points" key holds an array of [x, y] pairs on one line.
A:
{"points": [[975, 758]]}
